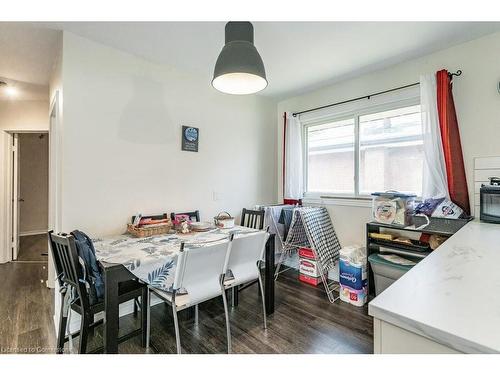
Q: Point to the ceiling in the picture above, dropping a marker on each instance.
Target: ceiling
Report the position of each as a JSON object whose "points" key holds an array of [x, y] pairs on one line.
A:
{"points": [[298, 56], [27, 55]]}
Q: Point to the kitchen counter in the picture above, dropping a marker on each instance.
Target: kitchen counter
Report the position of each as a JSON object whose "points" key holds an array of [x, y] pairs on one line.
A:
{"points": [[451, 298]]}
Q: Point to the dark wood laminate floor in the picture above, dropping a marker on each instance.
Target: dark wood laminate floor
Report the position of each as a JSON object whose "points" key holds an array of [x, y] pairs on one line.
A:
{"points": [[26, 309], [33, 248], [304, 321]]}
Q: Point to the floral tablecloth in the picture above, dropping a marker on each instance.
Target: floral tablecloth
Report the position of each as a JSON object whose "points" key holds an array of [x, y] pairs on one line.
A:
{"points": [[153, 259]]}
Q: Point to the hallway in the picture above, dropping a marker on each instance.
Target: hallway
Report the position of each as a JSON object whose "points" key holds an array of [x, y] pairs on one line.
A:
{"points": [[33, 248]]}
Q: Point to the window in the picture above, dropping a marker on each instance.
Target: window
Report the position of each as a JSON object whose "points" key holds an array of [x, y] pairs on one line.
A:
{"points": [[365, 152], [330, 157]]}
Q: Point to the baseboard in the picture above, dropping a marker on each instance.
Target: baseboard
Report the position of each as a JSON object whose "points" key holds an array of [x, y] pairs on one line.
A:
{"points": [[33, 232]]}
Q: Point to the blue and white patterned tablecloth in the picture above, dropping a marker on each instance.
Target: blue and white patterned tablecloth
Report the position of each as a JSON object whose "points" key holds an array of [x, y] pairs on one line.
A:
{"points": [[153, 259]]}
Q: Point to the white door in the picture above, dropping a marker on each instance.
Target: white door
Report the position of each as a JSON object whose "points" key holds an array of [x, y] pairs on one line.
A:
{"points": [[15, 196]]}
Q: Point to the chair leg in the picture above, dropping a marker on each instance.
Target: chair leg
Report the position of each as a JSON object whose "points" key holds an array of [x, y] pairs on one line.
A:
{"points": [[145, 317], [235, 296], [176, 326], [84, 332], [196, 314], [91, 321], [136, 304], [261, 288], [228, 328], [63, 321]]}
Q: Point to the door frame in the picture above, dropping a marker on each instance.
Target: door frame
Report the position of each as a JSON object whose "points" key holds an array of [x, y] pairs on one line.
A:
{"points": [[9, 186], [14, 178], [55, 167], [5, 195], [54, 134]]}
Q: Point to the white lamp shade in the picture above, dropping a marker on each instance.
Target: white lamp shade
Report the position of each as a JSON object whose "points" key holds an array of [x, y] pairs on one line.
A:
{"points": [[239, 83]]}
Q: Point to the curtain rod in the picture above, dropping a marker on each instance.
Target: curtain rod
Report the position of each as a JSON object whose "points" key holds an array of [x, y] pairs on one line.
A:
{"points": [[458, 73]]}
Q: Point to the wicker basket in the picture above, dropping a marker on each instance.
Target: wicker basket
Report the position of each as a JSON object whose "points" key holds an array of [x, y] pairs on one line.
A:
{"points": [[151, 231]]}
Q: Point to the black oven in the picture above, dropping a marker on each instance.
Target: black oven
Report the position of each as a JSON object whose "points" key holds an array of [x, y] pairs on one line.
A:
{"points": [[490, 201]]}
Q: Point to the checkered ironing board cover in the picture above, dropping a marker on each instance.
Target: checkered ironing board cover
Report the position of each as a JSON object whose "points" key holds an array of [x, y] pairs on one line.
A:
{"points": [[312, 227]]}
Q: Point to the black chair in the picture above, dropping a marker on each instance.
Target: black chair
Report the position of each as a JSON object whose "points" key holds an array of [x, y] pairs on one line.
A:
{"points": [[69, 274], [252, 219], [193, 216]]}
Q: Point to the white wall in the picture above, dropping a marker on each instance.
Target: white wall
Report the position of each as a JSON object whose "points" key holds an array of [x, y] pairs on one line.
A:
{"points": [[15, 116], [19, 115], [477, 103], [121, 143], [55, 157], [120, 139]]}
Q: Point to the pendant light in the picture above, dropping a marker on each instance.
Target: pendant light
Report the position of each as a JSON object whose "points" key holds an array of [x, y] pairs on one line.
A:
{"points": [[239, 69]]}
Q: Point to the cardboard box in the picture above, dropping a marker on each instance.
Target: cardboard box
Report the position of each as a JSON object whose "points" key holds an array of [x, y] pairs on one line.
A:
{"points": [[308, 267], [310, 280], [305, 252]]}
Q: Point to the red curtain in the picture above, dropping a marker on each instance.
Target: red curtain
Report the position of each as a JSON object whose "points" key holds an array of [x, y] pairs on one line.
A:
{"points": [[284, 152], [450, 137], [293, 201]]}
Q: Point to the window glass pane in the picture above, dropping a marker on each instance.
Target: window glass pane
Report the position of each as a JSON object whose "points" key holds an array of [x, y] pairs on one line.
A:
{"points": [[391, 154], [330, 157]]}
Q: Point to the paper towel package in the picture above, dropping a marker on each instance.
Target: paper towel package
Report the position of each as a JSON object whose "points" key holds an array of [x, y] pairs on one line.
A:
{"points": [[353, 277], [353, 296]]}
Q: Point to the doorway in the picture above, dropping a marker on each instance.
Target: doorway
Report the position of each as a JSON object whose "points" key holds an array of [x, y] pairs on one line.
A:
{"points": [[30, 196]]}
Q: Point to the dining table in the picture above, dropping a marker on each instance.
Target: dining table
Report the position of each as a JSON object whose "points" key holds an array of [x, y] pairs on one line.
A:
{"points": [[152, 260]]}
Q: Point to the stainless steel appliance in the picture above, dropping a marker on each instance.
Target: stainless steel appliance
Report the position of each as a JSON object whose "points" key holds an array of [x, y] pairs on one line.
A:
{"points": [[490, 201]]}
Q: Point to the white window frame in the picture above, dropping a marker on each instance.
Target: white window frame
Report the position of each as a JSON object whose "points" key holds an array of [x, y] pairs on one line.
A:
{"points": [[349, 199]]}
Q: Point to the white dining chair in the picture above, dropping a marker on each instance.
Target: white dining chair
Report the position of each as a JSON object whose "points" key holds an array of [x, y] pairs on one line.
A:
{"points": [[198, 273], [243, 263]]}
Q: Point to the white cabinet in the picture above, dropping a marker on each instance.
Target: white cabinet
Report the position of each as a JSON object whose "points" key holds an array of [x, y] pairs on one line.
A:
{"points": [[389, 339]]}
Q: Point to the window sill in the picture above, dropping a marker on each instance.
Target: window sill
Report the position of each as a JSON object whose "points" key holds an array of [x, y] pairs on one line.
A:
{"points": [[338, 201]]}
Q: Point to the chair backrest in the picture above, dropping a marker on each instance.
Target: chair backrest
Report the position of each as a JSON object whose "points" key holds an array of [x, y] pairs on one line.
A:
{"points": [[69, 270], [243, 255], [199, 271], [252, 219], [193, 215], [55, 257]]}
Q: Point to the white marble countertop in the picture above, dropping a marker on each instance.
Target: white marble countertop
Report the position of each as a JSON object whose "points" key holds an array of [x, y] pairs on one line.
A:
{"points": [[453, 295]]}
